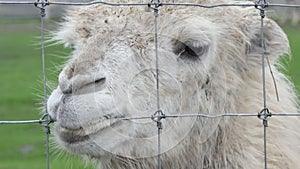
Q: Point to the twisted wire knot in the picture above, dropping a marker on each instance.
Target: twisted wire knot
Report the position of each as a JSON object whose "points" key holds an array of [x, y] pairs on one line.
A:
{"points": [[156, 6], [157, 117], [261, 4], [46, 118], [264, 114], [41, 4]]}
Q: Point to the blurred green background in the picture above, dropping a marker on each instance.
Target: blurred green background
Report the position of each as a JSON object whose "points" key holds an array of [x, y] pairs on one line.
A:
{"points": [[21, 90], [23, 146]]}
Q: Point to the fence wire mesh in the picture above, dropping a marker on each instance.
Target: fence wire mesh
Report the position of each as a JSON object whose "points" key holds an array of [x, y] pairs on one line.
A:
{"points": [[264, 114]]}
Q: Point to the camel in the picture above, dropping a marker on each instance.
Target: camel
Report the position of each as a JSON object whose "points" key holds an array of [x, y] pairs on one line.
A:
{"points": [[209, 63]]}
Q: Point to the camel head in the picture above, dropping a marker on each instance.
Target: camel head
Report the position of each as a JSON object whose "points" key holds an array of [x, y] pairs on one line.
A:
{"points": [[204, 57]]}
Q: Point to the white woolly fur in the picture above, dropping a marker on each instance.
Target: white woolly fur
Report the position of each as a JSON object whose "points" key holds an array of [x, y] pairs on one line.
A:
{"points": [[111, 75]]}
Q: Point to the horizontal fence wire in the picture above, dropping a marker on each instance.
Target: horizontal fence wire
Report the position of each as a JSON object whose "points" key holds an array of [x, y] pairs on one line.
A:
{"points": [[23, 122], [264, 114], [142, 4], [207, 116], [167, 116]]}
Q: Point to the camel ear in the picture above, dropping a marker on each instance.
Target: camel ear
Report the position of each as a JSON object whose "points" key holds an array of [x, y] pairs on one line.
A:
{"points": [[276, 43]]}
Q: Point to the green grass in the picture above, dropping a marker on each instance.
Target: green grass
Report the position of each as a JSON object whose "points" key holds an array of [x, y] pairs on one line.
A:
{"points": [[23, 146], [293, 66]]}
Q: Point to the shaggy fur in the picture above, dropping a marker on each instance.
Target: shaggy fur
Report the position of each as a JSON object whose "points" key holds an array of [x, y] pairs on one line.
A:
{"points": [[210, 63]]}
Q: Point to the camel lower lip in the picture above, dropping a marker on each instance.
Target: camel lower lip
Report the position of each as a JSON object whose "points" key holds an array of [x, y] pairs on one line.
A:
{"points": [[73, 136]]}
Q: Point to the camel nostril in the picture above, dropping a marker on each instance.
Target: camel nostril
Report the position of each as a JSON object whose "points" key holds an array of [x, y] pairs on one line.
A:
{"points": [[101, 80], [67, 91], [81, 84], [98, 84], [93, 86]]}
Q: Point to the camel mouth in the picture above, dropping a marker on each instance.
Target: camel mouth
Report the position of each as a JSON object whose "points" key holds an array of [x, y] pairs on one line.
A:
{"points": [[72, 136], [86, 131]]}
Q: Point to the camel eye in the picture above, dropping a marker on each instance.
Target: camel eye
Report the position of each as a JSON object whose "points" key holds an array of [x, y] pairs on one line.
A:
{"points": [[190, 50]]}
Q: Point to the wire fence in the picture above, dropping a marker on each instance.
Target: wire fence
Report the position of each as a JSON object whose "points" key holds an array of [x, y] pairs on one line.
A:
{"points": [[157, 117]]}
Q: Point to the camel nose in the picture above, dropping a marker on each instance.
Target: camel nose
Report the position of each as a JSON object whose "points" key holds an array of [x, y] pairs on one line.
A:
{"points": [[81, 83]]}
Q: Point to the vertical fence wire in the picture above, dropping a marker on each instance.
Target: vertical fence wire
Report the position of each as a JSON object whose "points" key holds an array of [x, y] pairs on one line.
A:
{"points": [[42, 6], [263, 83], [159, 128], [261, 5], [158, 115]]}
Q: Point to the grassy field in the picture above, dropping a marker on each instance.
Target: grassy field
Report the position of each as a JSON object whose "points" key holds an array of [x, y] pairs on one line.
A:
{"points": [[23, 146], [293, 65]]}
